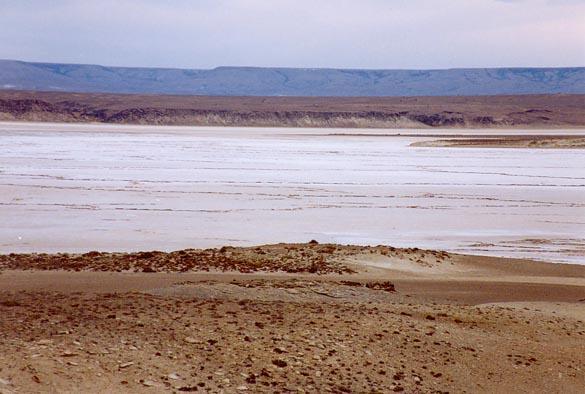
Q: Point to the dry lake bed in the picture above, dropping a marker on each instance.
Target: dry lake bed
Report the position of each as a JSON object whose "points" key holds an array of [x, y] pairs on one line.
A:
{"points": [[71, 187]]}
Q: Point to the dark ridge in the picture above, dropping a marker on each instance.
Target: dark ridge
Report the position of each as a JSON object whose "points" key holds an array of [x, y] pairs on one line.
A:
{"points": [[374, 112]]}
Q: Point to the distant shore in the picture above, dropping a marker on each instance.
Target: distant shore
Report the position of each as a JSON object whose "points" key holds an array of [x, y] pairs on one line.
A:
{"points": [[528, 141], [504, 112]]}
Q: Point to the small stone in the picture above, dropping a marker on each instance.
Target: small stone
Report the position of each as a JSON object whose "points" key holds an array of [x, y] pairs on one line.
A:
{"points": [[126, 365], [72, 363], [187, 388], [242, 388], [173, 376], [191, 340], [45, 342], [148, 383], [5, 382], [68, 353]]}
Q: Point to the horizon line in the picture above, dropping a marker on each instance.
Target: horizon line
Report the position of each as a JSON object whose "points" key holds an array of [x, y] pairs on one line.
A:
{"points": [[297, 68]]}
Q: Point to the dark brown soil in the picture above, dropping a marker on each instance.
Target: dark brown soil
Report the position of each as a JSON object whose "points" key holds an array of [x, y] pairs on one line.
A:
{"points": [[534, 111]]}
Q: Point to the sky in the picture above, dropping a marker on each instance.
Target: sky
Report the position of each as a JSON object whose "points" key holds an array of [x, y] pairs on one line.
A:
{"points": [[375, 34]]}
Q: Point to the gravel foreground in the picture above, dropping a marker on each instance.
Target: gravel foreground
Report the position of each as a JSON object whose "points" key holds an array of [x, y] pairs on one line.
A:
{"points": [[380, 320]]}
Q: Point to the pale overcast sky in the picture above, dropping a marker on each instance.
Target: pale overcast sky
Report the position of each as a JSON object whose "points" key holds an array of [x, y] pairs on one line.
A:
{"points": [[385, 34]]}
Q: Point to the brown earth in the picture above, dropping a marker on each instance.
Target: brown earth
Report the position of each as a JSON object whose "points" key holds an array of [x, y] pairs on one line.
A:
{"points": [[524, 141], [369, 319], [522, 111]]}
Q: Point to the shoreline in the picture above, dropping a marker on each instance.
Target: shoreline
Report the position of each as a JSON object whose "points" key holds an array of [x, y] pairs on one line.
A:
{"points": [[357, 126], [523, 142], [519, 111], [541, 130]]}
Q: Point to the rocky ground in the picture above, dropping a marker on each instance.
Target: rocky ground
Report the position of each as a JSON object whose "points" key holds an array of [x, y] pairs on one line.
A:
{"points": [[351, 326], [311, 257]]}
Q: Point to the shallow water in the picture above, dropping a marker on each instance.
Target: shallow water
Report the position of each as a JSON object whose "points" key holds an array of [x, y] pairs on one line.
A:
{"points": [[93, 187]]}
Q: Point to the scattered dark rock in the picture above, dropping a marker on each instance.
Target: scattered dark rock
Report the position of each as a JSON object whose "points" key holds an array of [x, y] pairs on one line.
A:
{"points": [[351, 283], [188, 388], [385, 286], [9, 303], [280, 363]]}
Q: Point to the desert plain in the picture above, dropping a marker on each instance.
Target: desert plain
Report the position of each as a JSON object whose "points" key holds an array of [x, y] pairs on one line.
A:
{"points": [[290, 318], [151, 263]]}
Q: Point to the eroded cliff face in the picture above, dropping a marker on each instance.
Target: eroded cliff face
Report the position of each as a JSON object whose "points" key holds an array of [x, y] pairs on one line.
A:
{"points": [[155, 110]]}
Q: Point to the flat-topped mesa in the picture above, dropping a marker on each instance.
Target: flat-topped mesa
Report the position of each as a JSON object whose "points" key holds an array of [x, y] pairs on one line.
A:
{"points": [[283, 81]]}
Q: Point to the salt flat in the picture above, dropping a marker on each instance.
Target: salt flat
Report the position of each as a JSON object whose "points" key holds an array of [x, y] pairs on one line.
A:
{"points": [[94, 187]]}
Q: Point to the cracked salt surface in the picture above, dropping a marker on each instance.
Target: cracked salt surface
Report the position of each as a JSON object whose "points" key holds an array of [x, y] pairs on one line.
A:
{"points": [[83, 187]]}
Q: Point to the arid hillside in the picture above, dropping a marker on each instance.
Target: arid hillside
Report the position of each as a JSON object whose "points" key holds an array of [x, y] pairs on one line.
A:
{"points": [[522, 111]]}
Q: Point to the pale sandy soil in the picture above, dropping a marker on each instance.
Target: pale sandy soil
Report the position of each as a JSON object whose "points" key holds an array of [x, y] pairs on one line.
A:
{"points": [[234, 321]]}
